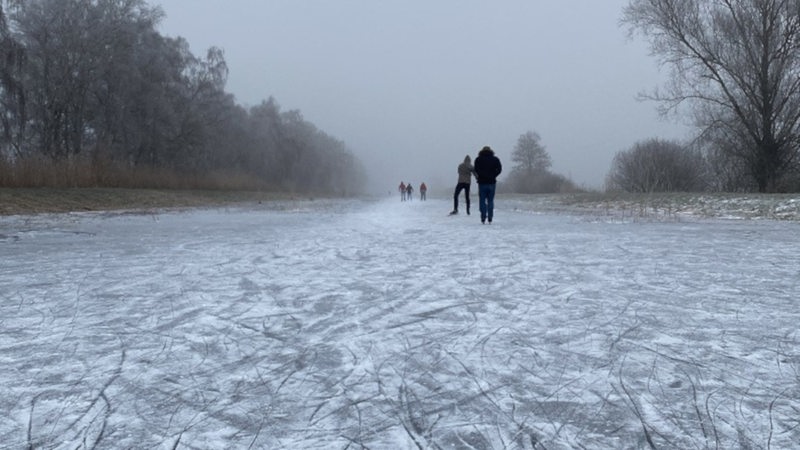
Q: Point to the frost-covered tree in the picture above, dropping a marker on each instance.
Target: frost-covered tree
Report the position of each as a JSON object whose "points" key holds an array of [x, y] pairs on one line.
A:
{"points": [[656, 165], [91, 87], [82, 70]]}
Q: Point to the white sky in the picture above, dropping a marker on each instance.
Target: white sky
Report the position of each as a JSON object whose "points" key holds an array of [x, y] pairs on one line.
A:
{"points": [[413, 86]]}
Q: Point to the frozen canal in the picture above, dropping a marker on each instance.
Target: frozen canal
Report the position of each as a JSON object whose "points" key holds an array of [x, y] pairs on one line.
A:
{"points": [[388, 325]]}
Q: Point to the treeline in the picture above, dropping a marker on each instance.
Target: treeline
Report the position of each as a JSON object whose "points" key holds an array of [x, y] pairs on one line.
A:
{"points": [[660, 165], [91, 94], [648, 166], [734, 67]]}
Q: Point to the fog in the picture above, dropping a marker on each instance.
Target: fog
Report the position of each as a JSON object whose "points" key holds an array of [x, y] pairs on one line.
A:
{"points": [[411, 87]]}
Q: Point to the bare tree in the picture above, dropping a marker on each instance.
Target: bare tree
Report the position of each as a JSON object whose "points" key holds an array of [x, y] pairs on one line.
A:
{"points": [[656, 166], [726, 171], [738, 63], [12, 94], [529, 154], [57, 73], [531, 171]]}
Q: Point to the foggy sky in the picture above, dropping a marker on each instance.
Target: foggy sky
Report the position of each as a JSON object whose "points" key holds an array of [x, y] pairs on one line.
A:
{"points": [[413, 86]]}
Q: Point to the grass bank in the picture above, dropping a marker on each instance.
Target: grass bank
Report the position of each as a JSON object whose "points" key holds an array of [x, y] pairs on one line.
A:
{"points": [[664, 206], [55, 200]]}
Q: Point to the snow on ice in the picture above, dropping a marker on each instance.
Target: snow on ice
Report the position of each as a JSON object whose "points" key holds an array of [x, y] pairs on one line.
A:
{"points": [[381, 324]]}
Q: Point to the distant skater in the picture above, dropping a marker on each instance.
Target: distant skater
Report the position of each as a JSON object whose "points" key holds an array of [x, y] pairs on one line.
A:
{"points": [[465, 172], [409, 192], [422, 191], [402, 189], [487, 168]]}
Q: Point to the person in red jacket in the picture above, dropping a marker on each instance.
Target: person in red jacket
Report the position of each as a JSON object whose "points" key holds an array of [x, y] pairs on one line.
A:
{"points": [[422, 191], [402, 189]]}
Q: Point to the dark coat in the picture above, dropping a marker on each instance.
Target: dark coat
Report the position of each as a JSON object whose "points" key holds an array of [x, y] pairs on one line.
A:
{"points": [[487, 166]]}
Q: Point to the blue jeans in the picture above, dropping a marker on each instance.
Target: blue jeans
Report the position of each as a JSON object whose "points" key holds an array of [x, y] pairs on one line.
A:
{"points": [[486, 199]]}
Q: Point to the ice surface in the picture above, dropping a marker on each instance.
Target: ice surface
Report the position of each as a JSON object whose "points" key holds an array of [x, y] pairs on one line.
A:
{"points": [[381, 324]]}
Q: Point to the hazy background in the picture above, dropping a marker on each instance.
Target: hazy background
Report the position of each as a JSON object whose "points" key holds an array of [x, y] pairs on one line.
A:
{"points": [[411, 86]]}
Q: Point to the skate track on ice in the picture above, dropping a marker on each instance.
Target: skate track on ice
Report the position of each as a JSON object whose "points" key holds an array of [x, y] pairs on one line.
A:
{"points": [[381, 324]]}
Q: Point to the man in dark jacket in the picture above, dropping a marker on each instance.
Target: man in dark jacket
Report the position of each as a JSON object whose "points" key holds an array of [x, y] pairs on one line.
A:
{"points": [[487, 168]]}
